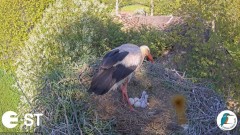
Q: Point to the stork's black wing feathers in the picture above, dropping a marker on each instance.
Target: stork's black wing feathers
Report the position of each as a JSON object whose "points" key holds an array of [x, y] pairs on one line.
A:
{"points": [[102, 82], [111, 53], [110, 72], [106, 78], [122, 72], [112, 58]]}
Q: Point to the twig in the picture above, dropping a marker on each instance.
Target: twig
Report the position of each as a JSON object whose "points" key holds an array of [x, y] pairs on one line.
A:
{"points": [[75, 115]]}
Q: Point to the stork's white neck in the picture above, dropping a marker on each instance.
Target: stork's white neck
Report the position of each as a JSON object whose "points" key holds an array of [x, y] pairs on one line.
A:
{"points": [[144, 50]]}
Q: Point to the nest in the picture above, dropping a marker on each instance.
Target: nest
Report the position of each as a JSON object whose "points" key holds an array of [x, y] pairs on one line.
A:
{"points": [[152, 120], [202, 104]]}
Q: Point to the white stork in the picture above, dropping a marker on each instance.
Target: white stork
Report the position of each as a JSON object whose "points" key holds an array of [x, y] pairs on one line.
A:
{"points": [[117, 67]]}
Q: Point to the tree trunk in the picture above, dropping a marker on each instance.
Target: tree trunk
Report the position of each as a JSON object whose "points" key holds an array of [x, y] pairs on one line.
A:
{"points": [[117, 7], [213, 26], [151, 7]]}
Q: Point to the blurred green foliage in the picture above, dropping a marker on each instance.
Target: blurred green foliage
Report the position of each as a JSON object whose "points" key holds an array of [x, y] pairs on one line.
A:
{"points": [[161, 7], [211, 36], [17, 18], [65, 36], [66, 105], [123, 3], [9, 97], [134, 8], [157, 40], [70, 33], [166, 7], [47, 46]]}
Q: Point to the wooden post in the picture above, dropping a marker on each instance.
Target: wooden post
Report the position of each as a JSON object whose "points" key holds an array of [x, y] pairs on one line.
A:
{"points": [[213, 25], [152, 7], [117, 7]]}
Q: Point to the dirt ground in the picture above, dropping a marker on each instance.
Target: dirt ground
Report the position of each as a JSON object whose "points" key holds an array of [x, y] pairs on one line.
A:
{"points": [[158, 118]]}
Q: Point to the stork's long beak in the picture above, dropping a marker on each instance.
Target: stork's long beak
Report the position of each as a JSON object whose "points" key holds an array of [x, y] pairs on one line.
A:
{"points": [[150, 58]]}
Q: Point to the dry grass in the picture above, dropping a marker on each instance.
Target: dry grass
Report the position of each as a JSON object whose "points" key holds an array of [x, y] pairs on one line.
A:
{"points": [[152, 120], [203, 104], [70, 111]]}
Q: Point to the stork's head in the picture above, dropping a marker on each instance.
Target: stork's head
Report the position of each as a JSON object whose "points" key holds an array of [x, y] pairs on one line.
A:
{"points": [[146, 52]]}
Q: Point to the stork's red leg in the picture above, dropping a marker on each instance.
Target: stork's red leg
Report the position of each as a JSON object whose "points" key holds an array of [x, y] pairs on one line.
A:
{"points": [[124, 92]]}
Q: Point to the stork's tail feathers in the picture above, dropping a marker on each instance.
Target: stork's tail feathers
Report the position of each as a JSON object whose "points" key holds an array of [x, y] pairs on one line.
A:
{"points": [[102, 82]]}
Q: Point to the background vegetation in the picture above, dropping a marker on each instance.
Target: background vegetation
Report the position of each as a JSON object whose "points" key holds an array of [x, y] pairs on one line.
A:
{"points": [[47, 43], [212, 28], [9, 96], [17, 19], [71, 33]]}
